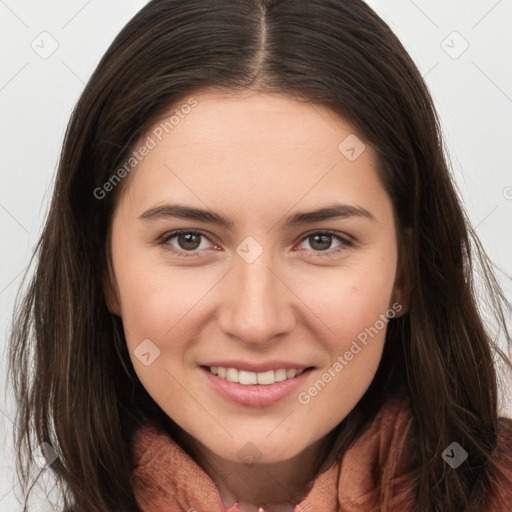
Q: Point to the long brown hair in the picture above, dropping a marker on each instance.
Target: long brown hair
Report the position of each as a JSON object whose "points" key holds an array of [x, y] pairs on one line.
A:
{"points": [[74, 382]]}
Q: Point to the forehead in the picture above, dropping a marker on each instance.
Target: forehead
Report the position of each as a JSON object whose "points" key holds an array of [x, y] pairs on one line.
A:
{"points": [[278, 120], [256, 148]]}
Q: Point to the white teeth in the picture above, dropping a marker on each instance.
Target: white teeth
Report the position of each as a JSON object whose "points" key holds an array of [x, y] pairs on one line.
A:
{"points": [[250, 378], [266, 378], [280, 375], [232, 374]]}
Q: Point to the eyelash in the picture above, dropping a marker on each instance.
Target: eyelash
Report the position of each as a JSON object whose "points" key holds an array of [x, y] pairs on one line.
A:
{"points": [[164, 241]]}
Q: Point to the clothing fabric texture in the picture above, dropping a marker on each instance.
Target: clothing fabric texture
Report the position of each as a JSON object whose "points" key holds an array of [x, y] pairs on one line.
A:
{"points": [[370, 477]]}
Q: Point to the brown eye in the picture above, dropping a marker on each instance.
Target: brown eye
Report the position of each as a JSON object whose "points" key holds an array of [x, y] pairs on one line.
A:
{"points": [[185, 243], [321, 242], [188, 241]]}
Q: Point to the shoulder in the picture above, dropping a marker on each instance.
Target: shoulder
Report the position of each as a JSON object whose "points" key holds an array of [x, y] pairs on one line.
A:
{"points": [[498, 497], [387, 443]]}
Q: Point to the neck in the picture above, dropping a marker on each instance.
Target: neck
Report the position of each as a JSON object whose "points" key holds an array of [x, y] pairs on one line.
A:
{"points": [[260, 487]]}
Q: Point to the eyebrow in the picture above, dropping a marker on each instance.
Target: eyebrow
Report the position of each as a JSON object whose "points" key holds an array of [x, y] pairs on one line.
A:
{"points": [[333, 211]]}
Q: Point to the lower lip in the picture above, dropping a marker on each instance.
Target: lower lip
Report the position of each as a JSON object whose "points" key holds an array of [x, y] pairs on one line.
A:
{"points": [[255, 395]]}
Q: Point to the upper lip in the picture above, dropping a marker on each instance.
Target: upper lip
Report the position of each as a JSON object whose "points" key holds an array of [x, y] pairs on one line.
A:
{"points": [[250, 366]]}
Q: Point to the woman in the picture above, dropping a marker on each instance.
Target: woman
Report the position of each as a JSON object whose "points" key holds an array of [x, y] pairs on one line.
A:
{"points": [[255, 369]]}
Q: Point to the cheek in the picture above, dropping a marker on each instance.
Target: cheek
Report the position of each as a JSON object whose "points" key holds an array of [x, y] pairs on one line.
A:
{"points": [[352, 301], [354, 307], [144, 305], [155, 300], [155, 306], [359, 322]]}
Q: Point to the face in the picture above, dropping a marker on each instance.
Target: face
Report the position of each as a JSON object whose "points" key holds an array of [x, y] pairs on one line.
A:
{"points": [[244, 276]]}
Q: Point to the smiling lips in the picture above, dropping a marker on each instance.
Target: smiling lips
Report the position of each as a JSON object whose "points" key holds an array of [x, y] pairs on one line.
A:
{"points": [[256, 385]]}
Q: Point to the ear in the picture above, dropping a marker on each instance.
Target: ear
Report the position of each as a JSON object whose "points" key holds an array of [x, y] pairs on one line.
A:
{"points": [[110, 288], [403, 281], [111, 294]]}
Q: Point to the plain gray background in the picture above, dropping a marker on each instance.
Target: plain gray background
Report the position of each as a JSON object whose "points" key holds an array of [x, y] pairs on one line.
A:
{"points": [[463, 49]]}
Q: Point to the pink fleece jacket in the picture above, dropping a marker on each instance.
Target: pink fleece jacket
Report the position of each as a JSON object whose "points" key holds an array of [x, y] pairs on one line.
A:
{"points": [[369, 478]]}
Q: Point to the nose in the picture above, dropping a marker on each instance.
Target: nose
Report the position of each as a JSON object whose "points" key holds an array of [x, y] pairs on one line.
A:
{"points": [[259, 303]]}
